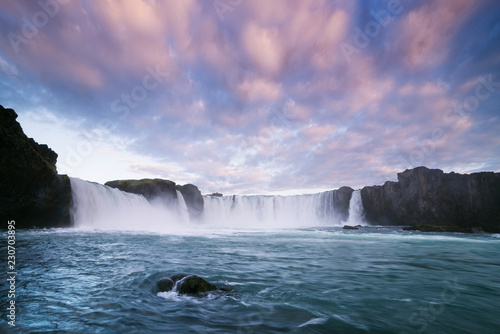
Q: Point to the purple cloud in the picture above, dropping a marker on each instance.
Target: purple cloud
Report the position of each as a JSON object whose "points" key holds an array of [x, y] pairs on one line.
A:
{"points": [[264, 96]]}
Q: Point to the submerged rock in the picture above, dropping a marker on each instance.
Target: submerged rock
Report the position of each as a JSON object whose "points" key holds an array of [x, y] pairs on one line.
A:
{"points": [[184, 284]]}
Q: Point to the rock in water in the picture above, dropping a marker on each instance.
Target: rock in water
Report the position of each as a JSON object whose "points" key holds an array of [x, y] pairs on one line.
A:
{"points": [[348, 227], [440, 228], [192, 285], [165, 284]]}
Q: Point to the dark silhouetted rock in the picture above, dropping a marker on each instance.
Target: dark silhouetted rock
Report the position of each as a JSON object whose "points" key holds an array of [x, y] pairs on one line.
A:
{"points": [[341, 199], [425, 196], [443, 228], [194, 285], [215, 194], [151, 189], [165, 284], [31, 192], [177, 277], [193, 198], [348, 227], [183, 284], [164, 191]]}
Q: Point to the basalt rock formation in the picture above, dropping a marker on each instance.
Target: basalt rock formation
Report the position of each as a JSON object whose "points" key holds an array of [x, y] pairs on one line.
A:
{"points": [[193, 198], [429, 196], [341, 199], [164, 191], [31, 191], [151, 189]]}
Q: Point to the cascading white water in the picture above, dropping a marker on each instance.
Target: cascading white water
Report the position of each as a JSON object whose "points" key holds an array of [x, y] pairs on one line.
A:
{"points": [[182, 207], [100, 207], [356, 211], [270, 211]]}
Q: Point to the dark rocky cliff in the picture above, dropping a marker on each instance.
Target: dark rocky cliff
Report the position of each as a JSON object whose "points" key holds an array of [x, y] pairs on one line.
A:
{"points": [[341, 199], [164, 191], [152, 189], [430, 196], [31, 192], [193, 198]]}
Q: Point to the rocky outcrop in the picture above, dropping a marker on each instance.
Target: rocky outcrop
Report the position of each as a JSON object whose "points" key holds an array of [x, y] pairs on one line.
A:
{"points": [[348, 227], [441, 228], [152, 189], [164, 191], [341, 199], [31, 192], [430, 196], [193, 198]]}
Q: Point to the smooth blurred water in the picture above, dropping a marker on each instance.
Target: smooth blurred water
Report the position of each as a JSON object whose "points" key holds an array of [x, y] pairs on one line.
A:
{"points": [[325, 280]]}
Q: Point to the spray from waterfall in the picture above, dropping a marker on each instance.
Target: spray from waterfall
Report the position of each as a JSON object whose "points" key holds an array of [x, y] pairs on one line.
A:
{"points": [[96, 206]]}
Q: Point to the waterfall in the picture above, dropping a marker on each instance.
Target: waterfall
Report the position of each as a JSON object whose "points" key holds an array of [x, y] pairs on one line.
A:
{"points": [[96, 206], [271, 211], [356, 211], [182, 207]]}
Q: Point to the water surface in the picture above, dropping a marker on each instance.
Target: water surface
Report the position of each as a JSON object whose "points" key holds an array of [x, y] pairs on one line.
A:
{"points": [[314, 280]]}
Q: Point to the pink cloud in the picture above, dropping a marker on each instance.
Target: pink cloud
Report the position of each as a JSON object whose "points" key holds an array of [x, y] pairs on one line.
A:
{"points": [[425, 33], [258, 89]]}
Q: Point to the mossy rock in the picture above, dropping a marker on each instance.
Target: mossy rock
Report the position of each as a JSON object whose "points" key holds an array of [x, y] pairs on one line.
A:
{"points": [[186, 285]]}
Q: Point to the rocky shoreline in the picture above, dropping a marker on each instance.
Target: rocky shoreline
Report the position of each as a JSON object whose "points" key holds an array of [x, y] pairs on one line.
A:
{"points": [[32, 193]]}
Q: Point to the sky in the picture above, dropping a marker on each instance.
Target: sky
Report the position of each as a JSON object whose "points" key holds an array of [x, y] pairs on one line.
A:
{"points": [[256, 96]]}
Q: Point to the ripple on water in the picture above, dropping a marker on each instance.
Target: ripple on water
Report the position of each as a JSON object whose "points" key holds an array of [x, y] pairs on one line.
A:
{"points": [[88, 281]]}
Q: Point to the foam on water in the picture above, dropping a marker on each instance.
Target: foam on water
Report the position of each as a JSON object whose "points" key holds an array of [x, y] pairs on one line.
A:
{"points": [[176, 297], [314, 321]]}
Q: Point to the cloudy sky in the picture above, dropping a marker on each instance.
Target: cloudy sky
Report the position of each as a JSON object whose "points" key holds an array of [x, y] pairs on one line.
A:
{"points": [[248, 96]]}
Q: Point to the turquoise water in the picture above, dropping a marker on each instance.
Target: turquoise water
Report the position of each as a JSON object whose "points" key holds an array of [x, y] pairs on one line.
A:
{"points": [[325, 280]]}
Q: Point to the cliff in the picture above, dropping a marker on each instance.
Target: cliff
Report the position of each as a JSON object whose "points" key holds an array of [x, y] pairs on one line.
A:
{"points": [[164, 191], [31, 192], [340, 202], [430, 196]]}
